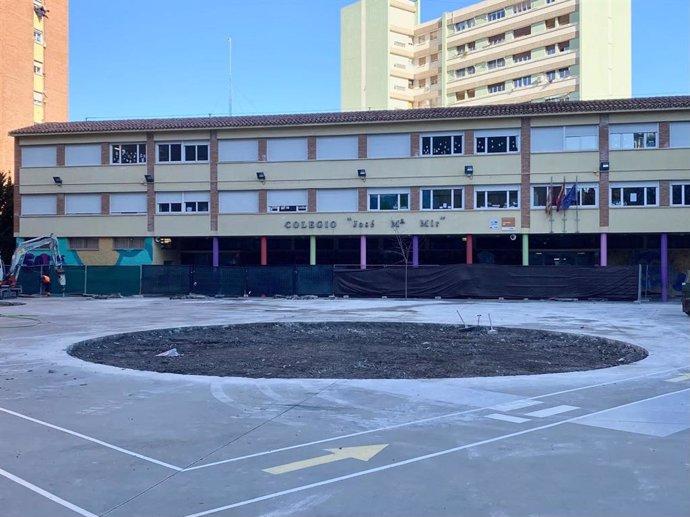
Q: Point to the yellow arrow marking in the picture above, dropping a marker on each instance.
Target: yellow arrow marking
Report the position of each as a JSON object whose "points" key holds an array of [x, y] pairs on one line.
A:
{"points": [[681, 378], [364, 453]]}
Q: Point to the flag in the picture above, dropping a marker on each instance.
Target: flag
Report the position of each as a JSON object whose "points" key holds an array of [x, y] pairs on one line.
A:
{"points": [[569, 198], [559, 198], [549, 197]]}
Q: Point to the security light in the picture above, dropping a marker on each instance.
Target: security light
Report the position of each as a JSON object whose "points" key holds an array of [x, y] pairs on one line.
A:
{"points": [[469, 170], [57, 180], [261, 176], [148, 178], [603, 166], [362, 173]]}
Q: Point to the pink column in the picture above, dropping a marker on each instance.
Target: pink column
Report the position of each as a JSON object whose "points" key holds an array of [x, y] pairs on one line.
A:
{"points": [[264, 251], [363, 252], [468, 250], [664, 267]]}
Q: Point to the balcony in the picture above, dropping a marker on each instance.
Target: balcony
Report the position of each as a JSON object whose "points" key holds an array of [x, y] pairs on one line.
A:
{"points": [[538, 90]]}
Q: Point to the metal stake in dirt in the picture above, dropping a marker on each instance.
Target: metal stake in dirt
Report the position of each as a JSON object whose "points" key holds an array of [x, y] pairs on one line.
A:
{"points": [[492, 330], [463, 321]]}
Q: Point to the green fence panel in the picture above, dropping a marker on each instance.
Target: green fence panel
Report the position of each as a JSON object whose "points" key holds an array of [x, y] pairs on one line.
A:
{"points": [[75, 278], [29, 280], [269, 281], [122, 280], [165, 280], [315, 280], [205, 280], [233, 281]]}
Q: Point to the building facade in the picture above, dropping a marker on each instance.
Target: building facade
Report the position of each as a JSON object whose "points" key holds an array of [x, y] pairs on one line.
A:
{"points": [[492, 52], [33, 67], [584, 183]]}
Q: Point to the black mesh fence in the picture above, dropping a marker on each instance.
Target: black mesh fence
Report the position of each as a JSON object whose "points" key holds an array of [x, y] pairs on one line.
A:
{"points": [[165, 280], [314, 280], [122, 280], [269, 281]]}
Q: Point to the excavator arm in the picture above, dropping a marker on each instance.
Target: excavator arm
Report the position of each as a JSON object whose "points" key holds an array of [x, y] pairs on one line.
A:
{"points": [[10, 278]]}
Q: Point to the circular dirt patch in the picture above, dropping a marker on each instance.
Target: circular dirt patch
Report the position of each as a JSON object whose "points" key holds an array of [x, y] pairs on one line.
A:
{"points": [[341, 350]]}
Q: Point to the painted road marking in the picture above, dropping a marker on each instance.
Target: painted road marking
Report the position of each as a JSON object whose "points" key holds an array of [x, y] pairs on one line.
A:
{"points": [[518, 404], [508, 418], [420, 458], [420, 421], [681, 378], [90, 439], [550, 411], [363, 453], [46, 494]]}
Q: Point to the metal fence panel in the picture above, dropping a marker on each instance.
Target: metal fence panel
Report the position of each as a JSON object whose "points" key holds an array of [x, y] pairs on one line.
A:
{"points": [[165, 280], [314, 280], [233, 281], [123, 280], [206, 280], [269, 281]]}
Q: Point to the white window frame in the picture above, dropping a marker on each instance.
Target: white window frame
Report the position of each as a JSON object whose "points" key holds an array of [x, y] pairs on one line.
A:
{"points": [[82, 204], [494, 16], [522, 82], [240, 150], [580, 192], [623, 186], [684, 188], [568, 137], [521, 7], [38, 36], [510, 191], [511, 136], [38, 68], [388, 145], [564, 73], [465, 24], [433, 190], [522, 57], [173, 203], [496, 63], [680, 134], [82, 155], [454, 136], [238, 202], [129, 243], [633, 136], [39, 156], [289, 149], [402, 204], [496, 88], [184, 149], [40, 204], [131, 203], [139, 154], [294, 200], [345, 147], [337, 200]]}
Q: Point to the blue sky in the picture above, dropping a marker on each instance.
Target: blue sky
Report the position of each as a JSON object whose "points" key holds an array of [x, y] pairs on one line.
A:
{"points": [[151, 58]]}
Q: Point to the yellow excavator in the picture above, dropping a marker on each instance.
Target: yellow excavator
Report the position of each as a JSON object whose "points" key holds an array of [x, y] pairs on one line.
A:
{"points": [[8, 279]]}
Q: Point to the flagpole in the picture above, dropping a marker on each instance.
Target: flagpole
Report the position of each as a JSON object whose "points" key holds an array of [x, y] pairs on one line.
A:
{"points": [[562, 197], [577, 208], [549, 200]]}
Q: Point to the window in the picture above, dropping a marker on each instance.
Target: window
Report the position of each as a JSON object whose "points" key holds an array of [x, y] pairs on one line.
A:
{"points": [[497, 39], [550, 23], [522, 57], [337, 148], [522, 6], [496, 63], [521, 82], [286, 149], [239, 150], [422, 83], [238, 202], [337, 200], [82, 154], [497, 87], [128, 243], [82, 204], [38, 98], [442, 199], [182, 202], [680, 194], [550, 2], [389, 199], [565, 138], [421, 61], [39, 204], [38, 68], [497, 141], [564, 20], [586, 195], [433, 80], [127, 153], [497, 197], [39, 156], [496, 15], [465, 24], [421, 39], [522, 32], [564, 46], [462, 72], [38, 37], [563, 73], [438, 145], [551, 76], [634, 194], [680, 134], [388, 146], [287, 200], [550, 50], [434, 58], [128, 203], [83, 243], [633, 136], [185, 152]]}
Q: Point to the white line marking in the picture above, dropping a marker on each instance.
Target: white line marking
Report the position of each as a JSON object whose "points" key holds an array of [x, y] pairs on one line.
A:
{"points": [[94, 440], [508, 418], [421, 421], [550, 411], [46, 494], [518, 404], [418, 458]]}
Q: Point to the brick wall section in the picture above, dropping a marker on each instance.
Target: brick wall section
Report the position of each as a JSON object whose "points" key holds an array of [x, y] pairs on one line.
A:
{"points": [[362, 146], [60, 155], [105, 204], [61, 204], [15, 194], [664, 135], [362, 199], [469, 197], [213, 155], [664, 193], [414, 198], [468, 143], [311, 200], [525, 171], [414, 144], [150, 188], [105, 153], [311, 148], [263, 201], [603, 176], [263, 149]]}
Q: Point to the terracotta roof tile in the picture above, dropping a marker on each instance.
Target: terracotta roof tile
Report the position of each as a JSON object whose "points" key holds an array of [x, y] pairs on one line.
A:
{"points": [[354, 117]]}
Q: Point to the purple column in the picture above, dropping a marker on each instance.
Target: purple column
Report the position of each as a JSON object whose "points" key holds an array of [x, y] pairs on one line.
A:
{"points": [[363, 252], [603, 251], [415, 250], [664, 267], [216, 252]]}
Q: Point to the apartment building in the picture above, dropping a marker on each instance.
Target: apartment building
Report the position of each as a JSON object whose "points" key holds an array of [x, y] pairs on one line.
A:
{"points": [[492, 52], [580, 182], [33, 67]]}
